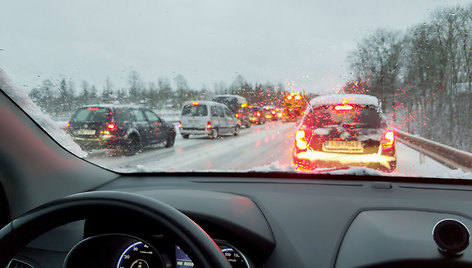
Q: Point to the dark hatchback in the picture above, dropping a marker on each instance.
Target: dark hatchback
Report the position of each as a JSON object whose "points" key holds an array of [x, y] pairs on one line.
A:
{"points": [[128, 128], [344, 130], [257, 115]]}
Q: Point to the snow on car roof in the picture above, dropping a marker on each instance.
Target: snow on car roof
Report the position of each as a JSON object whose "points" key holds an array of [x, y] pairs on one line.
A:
{"points": [[204, 102], [359, 99], [110, 105]]}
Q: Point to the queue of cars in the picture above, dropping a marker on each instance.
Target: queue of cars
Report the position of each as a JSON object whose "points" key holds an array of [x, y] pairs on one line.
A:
{"points": [[128, 128], [335, 131]]}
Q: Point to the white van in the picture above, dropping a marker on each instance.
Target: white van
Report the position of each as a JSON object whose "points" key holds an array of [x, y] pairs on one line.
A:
{"points": [[207, 118]]}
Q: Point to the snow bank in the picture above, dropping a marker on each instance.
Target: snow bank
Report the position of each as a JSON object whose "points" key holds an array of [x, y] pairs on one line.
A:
{"points": [[20, 96]]}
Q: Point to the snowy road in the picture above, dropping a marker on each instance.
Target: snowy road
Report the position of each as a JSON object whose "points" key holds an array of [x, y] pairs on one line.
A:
{"points": [[257, 146], [265, 147]]}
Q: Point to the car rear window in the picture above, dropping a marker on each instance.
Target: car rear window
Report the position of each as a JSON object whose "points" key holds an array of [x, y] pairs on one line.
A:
{"points": [[358, 116], [91, 114], [195, 110], [122, 115]]}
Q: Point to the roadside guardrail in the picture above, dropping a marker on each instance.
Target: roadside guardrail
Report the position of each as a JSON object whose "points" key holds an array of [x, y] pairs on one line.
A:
{"points": [[446, 155]]}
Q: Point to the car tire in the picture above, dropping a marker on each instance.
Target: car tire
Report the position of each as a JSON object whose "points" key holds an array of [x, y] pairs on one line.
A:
{"points": [[214, 134], [236, 130], [185, 136], [393, 167], [131, 145], [170, 141]]}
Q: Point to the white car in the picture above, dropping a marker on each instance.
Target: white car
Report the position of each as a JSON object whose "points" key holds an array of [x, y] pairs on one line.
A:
{"points": [[207, 118]]}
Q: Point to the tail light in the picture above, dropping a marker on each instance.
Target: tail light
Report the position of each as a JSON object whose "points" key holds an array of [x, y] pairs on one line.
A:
{"points": [[180, 124], [258, 114], [344, 107], [68, 125], [237, 114], [111, 126], [300, 140], [209, 125], [388, 140]]}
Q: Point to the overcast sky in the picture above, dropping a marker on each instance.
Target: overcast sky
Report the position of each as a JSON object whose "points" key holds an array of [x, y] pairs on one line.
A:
{"points": [[206, 41]]}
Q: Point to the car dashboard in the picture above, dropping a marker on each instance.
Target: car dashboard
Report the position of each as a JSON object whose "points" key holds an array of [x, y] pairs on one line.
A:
{"points": [[327, 221]]}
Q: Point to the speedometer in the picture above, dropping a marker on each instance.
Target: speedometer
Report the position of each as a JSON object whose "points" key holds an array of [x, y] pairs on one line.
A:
{"points": [[138, 255], [113, 251], [232, 254]]}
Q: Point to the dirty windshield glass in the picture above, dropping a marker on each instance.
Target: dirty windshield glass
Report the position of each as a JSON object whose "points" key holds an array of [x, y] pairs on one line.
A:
{"points": [[362, 87]]}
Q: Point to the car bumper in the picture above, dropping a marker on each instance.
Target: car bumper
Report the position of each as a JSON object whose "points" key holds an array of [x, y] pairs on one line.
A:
{"points": [[316, 159], [195, 131], [104, 142], [254, 119]]}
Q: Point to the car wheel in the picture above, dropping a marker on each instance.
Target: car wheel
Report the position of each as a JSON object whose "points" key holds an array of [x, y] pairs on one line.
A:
{"points": [[170, 141], [185, 136], [236, 130], [393, 167], [214, 134], [131, 145]]}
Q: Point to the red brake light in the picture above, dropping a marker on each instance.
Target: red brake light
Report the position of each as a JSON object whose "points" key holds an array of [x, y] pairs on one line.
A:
{"points": [[209, 125], [258, 114], [343, 107], [237, 115], [388, 140], [68, 125], [111, 126], [300, 139], [180, 125], [92, 108]]}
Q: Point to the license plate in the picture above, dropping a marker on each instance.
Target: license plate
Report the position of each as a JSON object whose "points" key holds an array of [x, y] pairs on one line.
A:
{"points": [[343, 145], [85, 132]]}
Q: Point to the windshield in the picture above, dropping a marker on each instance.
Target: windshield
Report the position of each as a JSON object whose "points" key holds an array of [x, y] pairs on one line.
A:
{"points": [[167, 86]]}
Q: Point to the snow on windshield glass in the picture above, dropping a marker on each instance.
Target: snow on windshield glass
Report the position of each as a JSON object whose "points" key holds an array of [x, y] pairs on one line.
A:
{"points": [[343, 87]]}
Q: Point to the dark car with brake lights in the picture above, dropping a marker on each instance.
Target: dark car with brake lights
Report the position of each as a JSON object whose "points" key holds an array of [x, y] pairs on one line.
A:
{"points": [[119, 127], [257, 115], [344, 130]]}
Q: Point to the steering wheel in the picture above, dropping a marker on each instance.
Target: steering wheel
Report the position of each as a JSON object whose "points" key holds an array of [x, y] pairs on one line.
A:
{"points": [[22, 230]]}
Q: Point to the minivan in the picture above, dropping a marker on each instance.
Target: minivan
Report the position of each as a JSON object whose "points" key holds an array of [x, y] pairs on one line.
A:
{"points": [[207, 118]]}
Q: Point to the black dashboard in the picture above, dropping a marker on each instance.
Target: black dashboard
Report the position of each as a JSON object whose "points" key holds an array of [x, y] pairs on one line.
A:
{"points": [[276, 222]]}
